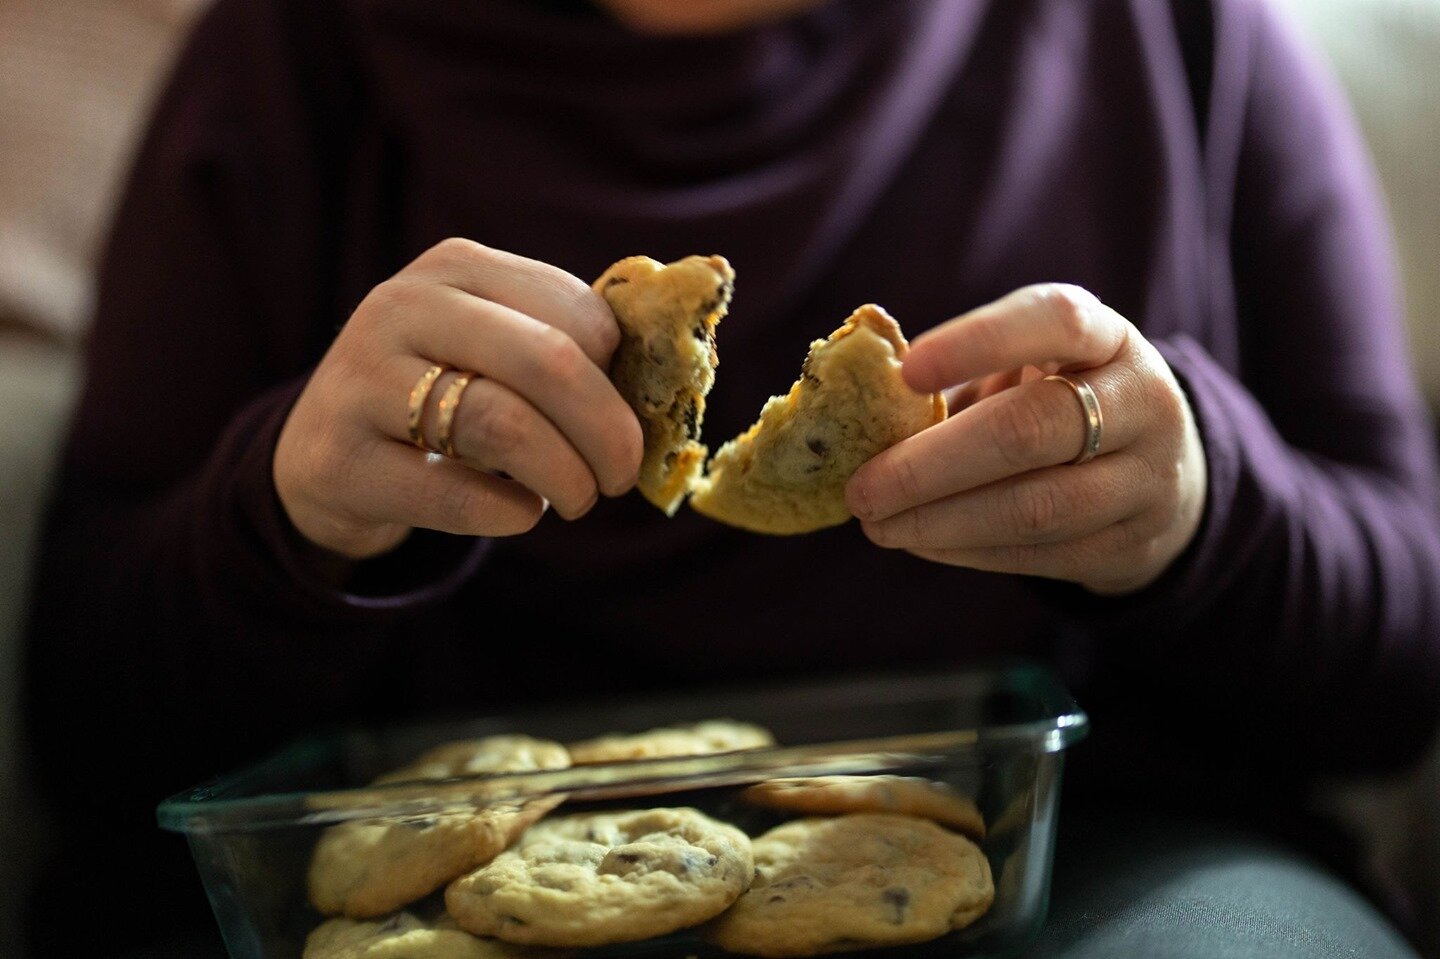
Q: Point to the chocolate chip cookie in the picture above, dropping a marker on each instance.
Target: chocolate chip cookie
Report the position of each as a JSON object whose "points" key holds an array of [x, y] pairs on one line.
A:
{"points": [[597, 878], [366, 868], [910, 795], [852, 882], [694, 739], [403, 936]]}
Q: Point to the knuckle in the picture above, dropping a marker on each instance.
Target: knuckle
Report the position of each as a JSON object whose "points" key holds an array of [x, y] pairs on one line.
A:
{"points": [[898, 473], [1171, 414], [343, 465], [593, 319], [461, 505], [457, 250], [388, 303], [1020, 433], [1139, 539], [558, 357], [921, 531], [1034, 511], [599, 321], [1071, 308], [492, 427]]}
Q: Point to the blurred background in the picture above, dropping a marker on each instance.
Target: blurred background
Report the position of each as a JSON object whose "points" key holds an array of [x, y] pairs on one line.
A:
{"points": [[76, 82]]}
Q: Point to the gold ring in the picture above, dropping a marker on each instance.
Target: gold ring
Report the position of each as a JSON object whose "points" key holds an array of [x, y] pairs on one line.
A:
{"points": [[419, 396], [1090, 407], [449, 403]]}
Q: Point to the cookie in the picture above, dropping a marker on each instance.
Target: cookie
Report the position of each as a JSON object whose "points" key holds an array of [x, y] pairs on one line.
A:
{"points": [[853, 882], [597, 878], [696, 739], [367, 868], [910, 795], [665, 364], [786, 474], [403, 936], [488, 755]]}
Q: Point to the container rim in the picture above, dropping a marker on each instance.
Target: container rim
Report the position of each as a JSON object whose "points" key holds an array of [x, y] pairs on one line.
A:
{"points": [[232, 803]]}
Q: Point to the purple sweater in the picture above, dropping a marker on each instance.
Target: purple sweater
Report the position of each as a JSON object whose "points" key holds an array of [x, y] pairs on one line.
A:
{"points": [[1201, 175]]}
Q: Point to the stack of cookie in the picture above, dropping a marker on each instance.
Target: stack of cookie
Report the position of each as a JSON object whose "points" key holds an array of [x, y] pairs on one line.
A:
{"points": [[871, 861]]}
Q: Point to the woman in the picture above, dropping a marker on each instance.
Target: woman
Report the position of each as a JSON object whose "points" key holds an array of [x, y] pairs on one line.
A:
{"points": [[1166, 203]]}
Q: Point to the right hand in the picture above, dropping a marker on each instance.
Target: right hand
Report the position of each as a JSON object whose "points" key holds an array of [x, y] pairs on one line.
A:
{"points": [[540, 424]]}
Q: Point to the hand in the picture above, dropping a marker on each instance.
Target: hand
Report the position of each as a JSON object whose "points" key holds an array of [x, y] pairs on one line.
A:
{"points": [[992, 487], [540, 423]]}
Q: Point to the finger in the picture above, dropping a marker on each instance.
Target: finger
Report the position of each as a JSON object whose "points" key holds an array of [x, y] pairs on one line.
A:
{"points": [[973, 391], [397, 483], [1059, 504], [495, 430], [546, 367], [1028, 427], [1097, 561], [540, 290], [1053, 326]]}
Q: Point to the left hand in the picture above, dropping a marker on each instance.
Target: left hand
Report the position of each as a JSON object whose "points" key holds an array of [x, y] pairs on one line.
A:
{"points": [[992, 487]]}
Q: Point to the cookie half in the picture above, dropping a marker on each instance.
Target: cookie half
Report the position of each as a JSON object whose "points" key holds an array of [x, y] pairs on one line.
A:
{"points": [[787, 473], [695, 739], [370, 867], [854, 882], [665, 364], [911, 795], [592, 879]]}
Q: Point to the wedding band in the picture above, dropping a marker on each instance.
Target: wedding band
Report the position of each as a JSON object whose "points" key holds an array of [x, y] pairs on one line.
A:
{"points": [[419, 396], [1090, 407], [449, 403]]}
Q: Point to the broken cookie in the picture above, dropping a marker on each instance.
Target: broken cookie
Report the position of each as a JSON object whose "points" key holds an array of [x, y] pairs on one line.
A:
{"points": [[665, 364]]}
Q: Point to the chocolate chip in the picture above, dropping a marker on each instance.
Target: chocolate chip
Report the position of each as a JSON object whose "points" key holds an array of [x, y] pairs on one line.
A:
{"points": [[692, 861], [630, 857], [817, 446], [692, 419], [899, 899]]}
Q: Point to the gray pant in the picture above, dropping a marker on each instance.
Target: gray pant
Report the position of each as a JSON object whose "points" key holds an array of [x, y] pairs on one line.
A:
{"points": [[1153, 887]]}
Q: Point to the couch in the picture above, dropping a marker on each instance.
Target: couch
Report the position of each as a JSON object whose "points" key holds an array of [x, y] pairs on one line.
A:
{"points": [[76, 78]]}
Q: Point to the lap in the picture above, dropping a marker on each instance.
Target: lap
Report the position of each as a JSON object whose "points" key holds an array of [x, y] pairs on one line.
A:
{"points": [[1171, 887]]}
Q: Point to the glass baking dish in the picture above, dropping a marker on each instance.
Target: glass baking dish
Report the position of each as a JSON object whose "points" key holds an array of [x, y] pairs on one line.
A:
{"points": [[994, 735]]}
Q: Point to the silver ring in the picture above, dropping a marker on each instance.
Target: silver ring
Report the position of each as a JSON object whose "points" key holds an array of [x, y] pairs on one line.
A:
{"points": [[1090, 407]]}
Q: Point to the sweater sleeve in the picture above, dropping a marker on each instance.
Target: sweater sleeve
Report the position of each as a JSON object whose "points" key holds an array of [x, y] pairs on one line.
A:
{"points": [[168, 564], [1305, 611]]}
